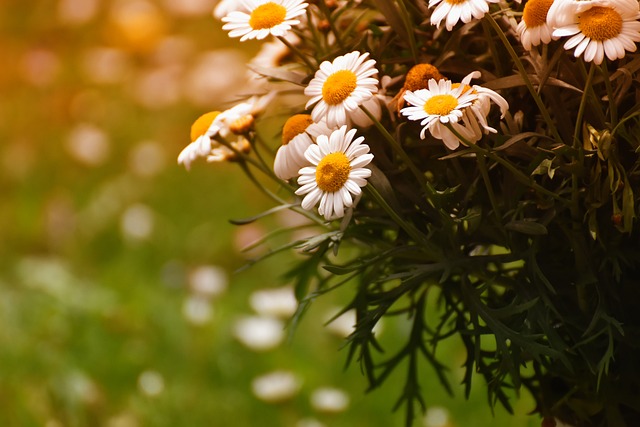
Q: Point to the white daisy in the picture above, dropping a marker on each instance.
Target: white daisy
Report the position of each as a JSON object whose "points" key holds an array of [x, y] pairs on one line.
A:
{"points": [[298, 133], [481, 107], [202, 130], [599, 27], [337, 173], [263, 17], [458, 10], [439, 105], [533, 29], [340, 87]]}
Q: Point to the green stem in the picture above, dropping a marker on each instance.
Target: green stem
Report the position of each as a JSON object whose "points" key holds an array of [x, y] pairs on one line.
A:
{"points": [[277, 199], [406, 18], [482, 165], [523, 73], [433, 251], [613, 108], [298, 53], [325, 10]]}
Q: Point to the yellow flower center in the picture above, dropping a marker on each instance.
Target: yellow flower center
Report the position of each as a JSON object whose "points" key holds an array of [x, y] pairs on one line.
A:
{"points": [[419, 75], [202, 124], [339, 86], [333, 172], [294, 126], [535, 12], [600, 23], [465, 89], [440, 105], [455, 1], [267, 15]]}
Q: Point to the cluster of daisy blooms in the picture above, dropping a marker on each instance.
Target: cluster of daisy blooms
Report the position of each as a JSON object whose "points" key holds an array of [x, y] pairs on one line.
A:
{"points": [[402, 115]]}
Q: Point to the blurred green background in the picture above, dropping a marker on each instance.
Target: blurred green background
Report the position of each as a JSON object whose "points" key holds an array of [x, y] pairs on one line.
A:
{"points": [[119, 305]]}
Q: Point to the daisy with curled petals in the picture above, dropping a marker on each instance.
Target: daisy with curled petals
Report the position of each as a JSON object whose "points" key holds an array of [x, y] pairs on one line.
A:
{"points": [[533, 29], [340, 87], [599, 27], [439, 105], [256, 19], [337, 172], [205, 127], [458, 10], [298, 133]]}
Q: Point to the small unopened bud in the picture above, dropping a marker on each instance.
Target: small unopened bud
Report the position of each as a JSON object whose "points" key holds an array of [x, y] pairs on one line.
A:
{"points": [[243, 125], [324, 25], [616, 219]]}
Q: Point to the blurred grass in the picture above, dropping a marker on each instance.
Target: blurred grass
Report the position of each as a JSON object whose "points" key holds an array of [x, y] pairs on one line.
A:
{"points": [[100, 231]]}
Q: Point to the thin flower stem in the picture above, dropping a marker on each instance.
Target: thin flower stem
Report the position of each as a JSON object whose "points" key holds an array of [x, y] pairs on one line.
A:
{"points": [[406, 18], [482, 165], [434, 252], [613, 108], [277, 199], [395, 145], [325, 10], [525, 179], [298, 53], [583, 103], [493, 48], [523, 73]]}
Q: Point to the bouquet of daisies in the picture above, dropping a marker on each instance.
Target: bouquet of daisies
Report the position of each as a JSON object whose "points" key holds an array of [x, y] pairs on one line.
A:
{"points": [[470, 165]]}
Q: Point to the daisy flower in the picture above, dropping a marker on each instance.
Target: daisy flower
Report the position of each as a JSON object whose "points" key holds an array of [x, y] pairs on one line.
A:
{"points": [[340, 87], [458, 10], [263, 17], [336, 174], [202, 130], [439, 105], [298, 133], [533, 29], [599, 27]]}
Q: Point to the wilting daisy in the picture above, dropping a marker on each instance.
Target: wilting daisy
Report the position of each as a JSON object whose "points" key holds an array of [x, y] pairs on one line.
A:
{"points": [[202, 130], [298, 134], [533, 28], [336, 174], [340, 87], [598, 28], [458, 10], [263, 17], [480, 108], [439, 105]]}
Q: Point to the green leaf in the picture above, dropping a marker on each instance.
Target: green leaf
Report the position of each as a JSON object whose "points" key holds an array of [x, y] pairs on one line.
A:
{"points": [[529, 227]]}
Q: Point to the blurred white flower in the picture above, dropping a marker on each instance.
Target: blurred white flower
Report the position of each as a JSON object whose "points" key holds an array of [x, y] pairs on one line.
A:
{"points": [[137, 222], [309, 422], [208, 280], [259, 333], [278, 302], [151, 383], [344, 325], [160, 87], [105, 65], [188, 7], [40, 67], [327, 399], [276, 386], [436, 416], [88, 144], [197, 310], [77, 12], [147, 158], [216, 76]]}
